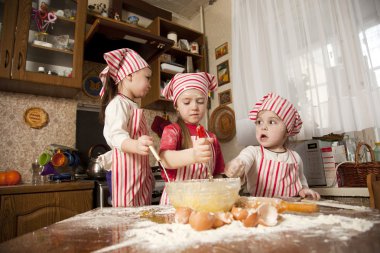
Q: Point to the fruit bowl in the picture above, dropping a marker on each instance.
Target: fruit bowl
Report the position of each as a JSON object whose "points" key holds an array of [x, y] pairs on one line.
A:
{"points": [[217, 195]]}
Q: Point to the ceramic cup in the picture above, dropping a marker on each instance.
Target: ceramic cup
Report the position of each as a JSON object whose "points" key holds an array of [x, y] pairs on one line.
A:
{"points": [[70, 158], [59, 159], [44, 158]]}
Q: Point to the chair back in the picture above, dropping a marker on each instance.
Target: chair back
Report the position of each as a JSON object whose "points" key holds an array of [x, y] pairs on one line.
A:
{"points": [[373, 184]]}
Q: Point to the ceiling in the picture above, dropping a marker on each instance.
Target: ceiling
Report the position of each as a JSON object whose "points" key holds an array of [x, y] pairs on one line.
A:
{"points": [[183, 8]]}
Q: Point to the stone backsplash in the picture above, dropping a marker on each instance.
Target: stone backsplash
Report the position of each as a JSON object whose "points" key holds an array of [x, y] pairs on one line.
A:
{"points": [[20, 144]]}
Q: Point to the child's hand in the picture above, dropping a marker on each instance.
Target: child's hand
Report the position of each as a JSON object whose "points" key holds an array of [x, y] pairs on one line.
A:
{"points": [[234, 168], [143, 143], [306, 192], [202, 150]]}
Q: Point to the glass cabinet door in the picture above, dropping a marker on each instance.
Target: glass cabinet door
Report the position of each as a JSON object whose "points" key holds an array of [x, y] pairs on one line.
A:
{"points": [[49, 41]]}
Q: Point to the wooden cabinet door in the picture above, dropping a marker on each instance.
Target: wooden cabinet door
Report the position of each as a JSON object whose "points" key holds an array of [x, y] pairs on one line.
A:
{"points": [[8, 18], [24, 213], [58, 59]]}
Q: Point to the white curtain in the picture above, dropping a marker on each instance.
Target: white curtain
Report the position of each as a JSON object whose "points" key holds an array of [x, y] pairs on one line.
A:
{"points": [[323, 55]]}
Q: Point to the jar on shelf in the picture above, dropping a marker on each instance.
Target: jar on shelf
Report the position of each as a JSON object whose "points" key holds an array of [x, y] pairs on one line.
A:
{"points": [[376, 151]]}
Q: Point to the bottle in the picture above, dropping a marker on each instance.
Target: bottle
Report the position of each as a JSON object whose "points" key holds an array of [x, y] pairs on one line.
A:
{"points": [[376, 151]]}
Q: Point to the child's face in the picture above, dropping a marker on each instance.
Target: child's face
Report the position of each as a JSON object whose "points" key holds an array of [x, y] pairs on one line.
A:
{"points": [[191, 105], [137, 85], [271, 131]]}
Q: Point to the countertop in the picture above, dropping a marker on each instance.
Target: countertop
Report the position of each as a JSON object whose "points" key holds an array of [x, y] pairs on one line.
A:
{"points": [[47, 187], [151, 229], [342, 191]]}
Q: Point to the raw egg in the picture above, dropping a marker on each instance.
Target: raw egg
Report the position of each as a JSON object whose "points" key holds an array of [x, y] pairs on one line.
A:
{"points": [[201, 220], [182, 215]]}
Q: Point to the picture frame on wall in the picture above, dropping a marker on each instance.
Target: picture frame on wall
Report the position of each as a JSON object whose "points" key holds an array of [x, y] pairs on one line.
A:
{"points": [[223, 73], [221, 50], [225, 97]]}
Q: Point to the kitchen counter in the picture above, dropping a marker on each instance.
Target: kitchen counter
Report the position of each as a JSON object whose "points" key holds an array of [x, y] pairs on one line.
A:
{"points": [[343, 191], [151, 229], [47, 187]]}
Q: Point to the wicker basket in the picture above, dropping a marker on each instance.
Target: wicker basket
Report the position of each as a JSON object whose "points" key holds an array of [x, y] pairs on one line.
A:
{"points": [[354, 174]]}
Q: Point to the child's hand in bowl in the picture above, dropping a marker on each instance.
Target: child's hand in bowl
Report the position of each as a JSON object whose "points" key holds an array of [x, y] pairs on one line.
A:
{"points": [[234, 168]]}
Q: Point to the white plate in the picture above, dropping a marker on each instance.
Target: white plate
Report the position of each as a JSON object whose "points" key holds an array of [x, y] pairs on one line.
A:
{"points": [[172, 68]]}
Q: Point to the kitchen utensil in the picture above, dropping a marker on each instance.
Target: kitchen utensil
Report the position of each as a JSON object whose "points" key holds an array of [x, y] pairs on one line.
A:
{"points": [[201, 133], [329, 203], [158, 158], [218, 195], [281, 205], [59, 159], [44, 158], [95, 170]]}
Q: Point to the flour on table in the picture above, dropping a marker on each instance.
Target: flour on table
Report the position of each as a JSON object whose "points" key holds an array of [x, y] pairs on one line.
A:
{"points": [[170, 237]]}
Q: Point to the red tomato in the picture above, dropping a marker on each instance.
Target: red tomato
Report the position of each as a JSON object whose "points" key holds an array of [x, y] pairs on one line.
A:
{"points": [[12, 177]]}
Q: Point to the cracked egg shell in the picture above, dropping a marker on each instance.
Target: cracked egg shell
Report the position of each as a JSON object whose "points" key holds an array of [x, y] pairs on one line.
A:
{"points": [[239, 213], [267, 214], [222, 218], [252, 220]]}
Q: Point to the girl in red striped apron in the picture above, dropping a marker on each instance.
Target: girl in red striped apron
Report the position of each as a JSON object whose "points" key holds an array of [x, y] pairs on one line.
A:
{"points": [[271, 169], [126, 78], [185, 154]]}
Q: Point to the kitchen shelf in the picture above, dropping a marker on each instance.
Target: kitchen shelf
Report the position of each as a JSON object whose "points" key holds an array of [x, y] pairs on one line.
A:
{"points": [[106, 34], [161, 27], [64, 51], [50, 56]]}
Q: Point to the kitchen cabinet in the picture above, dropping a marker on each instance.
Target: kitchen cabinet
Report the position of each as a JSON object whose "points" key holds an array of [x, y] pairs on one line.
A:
{"points": [[161, 27], [107, 34], [44, 56], [25, 208]]}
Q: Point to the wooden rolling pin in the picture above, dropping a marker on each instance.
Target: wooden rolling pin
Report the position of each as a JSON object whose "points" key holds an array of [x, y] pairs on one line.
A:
{"points": [[281, 205]]}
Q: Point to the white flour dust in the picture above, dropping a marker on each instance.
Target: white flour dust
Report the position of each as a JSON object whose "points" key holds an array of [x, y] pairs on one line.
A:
{"points": [[171, 237]]}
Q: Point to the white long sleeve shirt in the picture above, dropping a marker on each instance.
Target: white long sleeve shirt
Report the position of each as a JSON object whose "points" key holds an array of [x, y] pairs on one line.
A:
{"points": [[251, 156]]}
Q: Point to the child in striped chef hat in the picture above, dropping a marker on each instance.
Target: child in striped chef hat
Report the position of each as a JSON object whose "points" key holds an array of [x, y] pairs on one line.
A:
{"points": [[186, 152], [271, 169], [126, 78]]}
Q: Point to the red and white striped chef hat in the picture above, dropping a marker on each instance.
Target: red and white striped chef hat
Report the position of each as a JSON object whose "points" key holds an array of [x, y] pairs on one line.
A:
{"points": [[202, 81], [121, 63], [283, 108]]}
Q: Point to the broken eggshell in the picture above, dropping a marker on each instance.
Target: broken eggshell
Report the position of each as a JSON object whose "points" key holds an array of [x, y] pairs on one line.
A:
{"points": [[222, 218], [239, 213], [267, 214]]}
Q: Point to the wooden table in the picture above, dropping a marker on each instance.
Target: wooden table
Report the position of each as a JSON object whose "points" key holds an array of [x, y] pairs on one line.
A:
{"points": [[134, 230]]}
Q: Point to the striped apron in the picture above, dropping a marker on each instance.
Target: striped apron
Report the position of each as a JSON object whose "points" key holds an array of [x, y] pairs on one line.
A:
{"points": [[276, 179], [132, 178], [193, 171]]}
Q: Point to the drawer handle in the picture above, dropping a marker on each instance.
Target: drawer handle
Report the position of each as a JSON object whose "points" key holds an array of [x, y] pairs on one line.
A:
{"points": [[6, 58], [19, 61]]}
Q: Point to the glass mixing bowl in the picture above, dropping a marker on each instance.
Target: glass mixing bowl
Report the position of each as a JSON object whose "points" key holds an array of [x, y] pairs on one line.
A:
{"points": [[216, 195]]}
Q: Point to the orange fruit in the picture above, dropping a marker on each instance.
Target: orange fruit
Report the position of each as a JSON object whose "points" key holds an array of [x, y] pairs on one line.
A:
{"points": [[2, 178], [12, 177]]}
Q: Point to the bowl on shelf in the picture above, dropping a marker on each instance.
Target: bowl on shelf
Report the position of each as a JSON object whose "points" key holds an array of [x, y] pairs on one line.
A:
{"points": [[216, 195], [133, 20]]}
